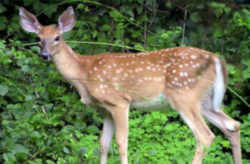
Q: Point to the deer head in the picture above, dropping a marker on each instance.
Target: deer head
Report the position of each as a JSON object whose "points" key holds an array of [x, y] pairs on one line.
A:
{"points": [[49, 37]]}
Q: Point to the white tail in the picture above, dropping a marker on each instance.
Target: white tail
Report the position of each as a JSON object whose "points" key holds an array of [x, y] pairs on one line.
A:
{"points": [[191, 80], [219, 86]]}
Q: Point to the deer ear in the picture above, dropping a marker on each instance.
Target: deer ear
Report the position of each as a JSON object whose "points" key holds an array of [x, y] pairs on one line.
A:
{"points": [[67, 20], [28, 21]]}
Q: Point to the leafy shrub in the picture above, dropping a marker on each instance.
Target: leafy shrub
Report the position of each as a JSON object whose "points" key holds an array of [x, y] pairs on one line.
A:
{"points": [[42, 119]]}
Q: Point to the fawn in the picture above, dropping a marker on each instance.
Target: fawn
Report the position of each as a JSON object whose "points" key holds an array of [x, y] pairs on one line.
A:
{"points": [[191, 80]]}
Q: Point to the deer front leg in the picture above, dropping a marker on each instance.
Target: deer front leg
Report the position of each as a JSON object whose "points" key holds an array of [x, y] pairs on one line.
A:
{"points": [[106, 137], [120, 117]]}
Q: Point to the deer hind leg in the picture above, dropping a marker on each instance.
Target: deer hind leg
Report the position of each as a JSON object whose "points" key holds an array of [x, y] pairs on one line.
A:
{"points": [[229, 127], [106, 137], [204, 136]]}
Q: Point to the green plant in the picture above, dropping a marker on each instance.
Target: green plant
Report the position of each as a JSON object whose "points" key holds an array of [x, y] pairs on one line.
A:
{"points": [[42, 119]]}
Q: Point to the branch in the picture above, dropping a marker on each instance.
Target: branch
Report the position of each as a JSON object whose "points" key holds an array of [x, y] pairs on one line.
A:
{"points": [[184, 27], [239, 96], [105, 44]]}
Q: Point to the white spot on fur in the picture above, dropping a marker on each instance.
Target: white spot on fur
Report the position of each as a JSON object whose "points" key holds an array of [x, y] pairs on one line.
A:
{"points": [[118, 70], [116, 85], [115, 78], [193, 56], [167, 65]]}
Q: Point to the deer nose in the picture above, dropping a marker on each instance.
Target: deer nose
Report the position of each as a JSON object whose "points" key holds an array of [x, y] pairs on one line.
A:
{"points": [[45, 55]]}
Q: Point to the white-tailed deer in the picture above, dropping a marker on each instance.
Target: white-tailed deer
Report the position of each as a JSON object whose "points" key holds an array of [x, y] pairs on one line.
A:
{"points": [[191, 80]]}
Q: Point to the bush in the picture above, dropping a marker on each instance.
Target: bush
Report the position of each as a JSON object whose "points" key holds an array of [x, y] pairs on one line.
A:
{"points": [[42, 119]]}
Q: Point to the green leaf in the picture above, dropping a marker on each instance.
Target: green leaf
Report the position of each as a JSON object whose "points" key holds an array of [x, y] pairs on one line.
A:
{"points": [[25, 68], [9, 158], [115, 14], [20, 149], [50, 10], [246, 72], [28, 2], [195, 17], [225, 143], [49, 162], [231, 69], [81, 6], [3, 22], [65, 150], [2, 9], [36, 49], [3, 90]]}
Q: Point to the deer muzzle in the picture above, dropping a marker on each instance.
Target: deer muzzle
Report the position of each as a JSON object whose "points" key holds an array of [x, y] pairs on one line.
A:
{"points": [[45, 52]]}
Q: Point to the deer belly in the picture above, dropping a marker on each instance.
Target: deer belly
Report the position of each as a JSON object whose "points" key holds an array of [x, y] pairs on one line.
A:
{"points": [[153, 103]]}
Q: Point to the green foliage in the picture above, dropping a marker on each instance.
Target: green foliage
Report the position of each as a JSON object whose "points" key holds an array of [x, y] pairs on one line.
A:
{"points": [[42, 119]]}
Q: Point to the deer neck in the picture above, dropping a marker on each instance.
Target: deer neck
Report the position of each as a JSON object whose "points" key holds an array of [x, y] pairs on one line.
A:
{"points": [[68, 63], [74, 69]]}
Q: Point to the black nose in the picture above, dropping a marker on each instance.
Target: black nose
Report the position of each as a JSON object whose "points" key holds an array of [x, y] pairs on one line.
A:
{"points": [[45, 56]]}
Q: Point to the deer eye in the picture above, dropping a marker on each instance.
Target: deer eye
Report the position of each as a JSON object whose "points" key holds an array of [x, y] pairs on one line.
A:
{"points": [[38, 39], [57, 38]]}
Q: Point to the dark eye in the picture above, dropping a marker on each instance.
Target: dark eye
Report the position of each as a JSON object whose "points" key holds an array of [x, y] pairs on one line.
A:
{"points": [[38, 39], [57, 38]]}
